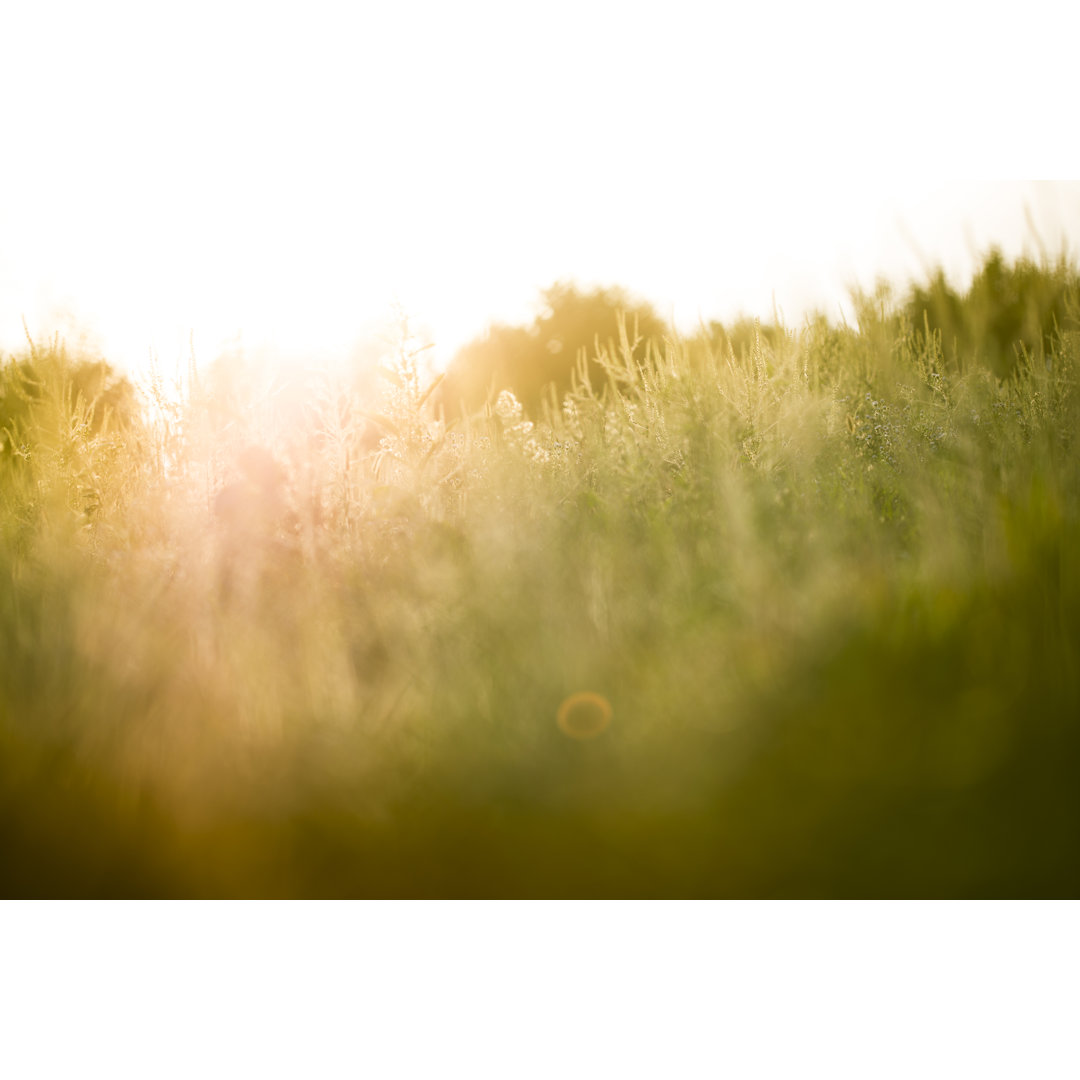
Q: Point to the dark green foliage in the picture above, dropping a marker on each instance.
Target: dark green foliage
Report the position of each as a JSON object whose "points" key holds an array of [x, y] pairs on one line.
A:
{"points": [[1008, 308]]}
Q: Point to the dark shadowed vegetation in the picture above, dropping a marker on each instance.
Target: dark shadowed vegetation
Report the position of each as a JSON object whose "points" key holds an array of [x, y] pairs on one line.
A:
{"points": [[1009, 310], [760, 612]]}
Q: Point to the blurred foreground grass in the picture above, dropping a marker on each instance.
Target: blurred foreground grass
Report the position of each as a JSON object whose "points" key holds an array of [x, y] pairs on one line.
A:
{"points": [[267, 639]]}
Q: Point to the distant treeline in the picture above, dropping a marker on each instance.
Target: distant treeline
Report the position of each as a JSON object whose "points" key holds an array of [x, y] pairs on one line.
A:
{"points": [[1007, 308]]}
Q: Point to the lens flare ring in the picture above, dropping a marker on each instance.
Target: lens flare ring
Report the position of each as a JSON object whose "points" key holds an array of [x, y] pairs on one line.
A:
{"points": [[584, 715]]}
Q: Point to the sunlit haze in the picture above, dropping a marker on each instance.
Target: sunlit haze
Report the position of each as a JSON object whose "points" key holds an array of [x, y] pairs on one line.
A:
{"points": [[286, 175], [667, 554]]}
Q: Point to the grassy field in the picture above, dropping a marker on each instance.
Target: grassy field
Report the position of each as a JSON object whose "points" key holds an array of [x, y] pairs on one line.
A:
{"points": [[758, 612]]}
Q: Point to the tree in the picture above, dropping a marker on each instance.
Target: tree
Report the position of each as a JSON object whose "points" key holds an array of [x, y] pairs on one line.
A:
{"points": [[530, 361]]}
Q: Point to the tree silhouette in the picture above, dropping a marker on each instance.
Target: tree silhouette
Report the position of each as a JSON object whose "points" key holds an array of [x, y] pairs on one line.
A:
{"points": [[530, 361]]}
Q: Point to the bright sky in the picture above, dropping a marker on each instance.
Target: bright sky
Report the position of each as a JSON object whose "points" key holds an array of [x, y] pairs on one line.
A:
{"points": [[286, 172]]}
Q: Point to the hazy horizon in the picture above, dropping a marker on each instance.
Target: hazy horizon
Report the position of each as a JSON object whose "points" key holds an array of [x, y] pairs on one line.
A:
{"points": [[230, 175]]}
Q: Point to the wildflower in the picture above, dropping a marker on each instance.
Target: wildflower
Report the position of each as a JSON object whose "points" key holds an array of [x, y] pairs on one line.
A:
{"points": [[508, 408]]}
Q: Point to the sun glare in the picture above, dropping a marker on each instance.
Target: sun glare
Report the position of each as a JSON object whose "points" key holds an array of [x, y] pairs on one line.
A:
{"points": [[290, 185]]}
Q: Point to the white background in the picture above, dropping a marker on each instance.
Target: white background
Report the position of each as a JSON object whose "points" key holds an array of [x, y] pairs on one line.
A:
{"points": [[575, 991], [285, 173]]}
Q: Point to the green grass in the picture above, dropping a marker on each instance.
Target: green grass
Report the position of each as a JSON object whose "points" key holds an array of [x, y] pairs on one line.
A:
{"points": [[828, 580]]}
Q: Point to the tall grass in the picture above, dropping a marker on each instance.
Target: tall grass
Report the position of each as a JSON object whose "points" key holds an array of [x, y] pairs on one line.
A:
{"points": [[827, 584]]}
